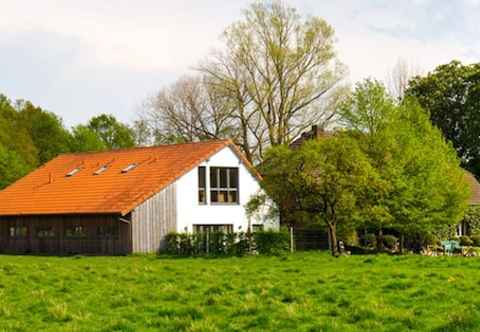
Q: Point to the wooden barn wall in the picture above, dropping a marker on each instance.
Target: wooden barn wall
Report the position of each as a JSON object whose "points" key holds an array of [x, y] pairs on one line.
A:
{"points": [[60, 244], [154, 219]]}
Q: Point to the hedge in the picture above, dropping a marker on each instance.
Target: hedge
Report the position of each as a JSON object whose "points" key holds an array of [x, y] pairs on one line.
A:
{"points": [[227, 244]]}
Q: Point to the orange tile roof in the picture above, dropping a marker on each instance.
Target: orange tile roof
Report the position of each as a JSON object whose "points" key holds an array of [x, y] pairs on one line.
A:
{"points": [[48, 190]]}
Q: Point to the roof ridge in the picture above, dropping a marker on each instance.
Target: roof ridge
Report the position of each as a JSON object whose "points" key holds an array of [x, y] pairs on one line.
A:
{"points": [[225, 141]]}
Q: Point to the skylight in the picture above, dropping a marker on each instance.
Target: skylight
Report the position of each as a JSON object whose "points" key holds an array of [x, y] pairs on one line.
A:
{"points": [[129, 168], [73, 172], [101, 170]]}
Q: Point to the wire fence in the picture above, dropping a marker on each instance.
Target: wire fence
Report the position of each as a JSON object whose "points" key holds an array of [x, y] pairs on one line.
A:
{"points": [[309, 239]]}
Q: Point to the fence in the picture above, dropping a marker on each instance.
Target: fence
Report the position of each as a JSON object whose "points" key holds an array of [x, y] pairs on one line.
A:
{"points": [[310, 239]]}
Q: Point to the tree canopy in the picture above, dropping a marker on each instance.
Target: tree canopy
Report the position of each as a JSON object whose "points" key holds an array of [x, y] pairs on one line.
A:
{"points": [[451, 94]]}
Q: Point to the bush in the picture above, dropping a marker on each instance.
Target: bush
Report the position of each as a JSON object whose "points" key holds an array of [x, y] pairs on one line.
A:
{"points": [[430, 239], [225, 244], [466, 241], [390, 242], [370, 240], [476, 240], [271, 242]]}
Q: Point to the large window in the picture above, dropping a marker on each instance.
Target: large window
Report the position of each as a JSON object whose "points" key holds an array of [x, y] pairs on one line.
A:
{"points": [[202, 185], [224, 185], [75, 232], [227, 228], [18, 231]]}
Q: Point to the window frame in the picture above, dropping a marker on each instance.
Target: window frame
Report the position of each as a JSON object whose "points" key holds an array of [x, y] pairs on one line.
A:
{"points": [[228, 189], [199, 228], [204, 188], [16, 234], [49, 229], [74, 234]]}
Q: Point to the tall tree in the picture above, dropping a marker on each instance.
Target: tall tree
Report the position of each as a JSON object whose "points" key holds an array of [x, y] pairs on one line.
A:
{"points": [[328, 180], [85, 139], [451, 94], [114, 134], [276, 75], [400, 76], [45, 129], [425, 189]]}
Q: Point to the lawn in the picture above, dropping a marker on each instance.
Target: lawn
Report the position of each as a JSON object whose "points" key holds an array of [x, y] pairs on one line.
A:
{"points": [[304, 292]]}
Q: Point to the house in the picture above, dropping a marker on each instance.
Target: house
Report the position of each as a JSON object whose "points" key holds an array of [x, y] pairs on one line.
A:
{"points": [[126, 201], [463, 228]]}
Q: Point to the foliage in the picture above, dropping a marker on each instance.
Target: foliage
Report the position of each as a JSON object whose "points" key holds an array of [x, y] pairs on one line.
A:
{"points": [[329, 180], [472, 218], [213, 244], [85, 139], [451, 95], [276, 74], [466, 241], [46, 130], [369, 240], [390, 241], [300, 292], [423, 187], [114, 134], [272, 242], [476, 240]]}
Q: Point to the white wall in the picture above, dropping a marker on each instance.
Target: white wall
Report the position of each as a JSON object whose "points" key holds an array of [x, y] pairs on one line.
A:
{"points": [[190, 211]]}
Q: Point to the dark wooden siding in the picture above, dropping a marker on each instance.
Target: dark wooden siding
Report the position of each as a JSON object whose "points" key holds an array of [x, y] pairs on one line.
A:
{"points": [[60, 244], [154, 219]]}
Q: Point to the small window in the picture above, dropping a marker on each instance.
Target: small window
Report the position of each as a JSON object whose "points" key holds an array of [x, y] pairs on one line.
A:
{"points": [[45, 232], [226, 228], [202, 185], [224, 185], [108, 232], [73, 172], [100, 170], [129, 168], [76, 231], [18, 232]]}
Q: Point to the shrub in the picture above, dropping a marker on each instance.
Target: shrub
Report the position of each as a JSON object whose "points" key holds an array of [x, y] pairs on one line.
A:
{"points": [[370, 240], [465, 241], [271, 242], [390, 241], [476, 240], [430, 239]]}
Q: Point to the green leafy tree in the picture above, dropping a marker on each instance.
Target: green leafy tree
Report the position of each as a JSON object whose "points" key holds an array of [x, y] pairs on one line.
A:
{"points": [[451, 94], [85, 139], [114, 134], [425, 189], [46, 130], [327, 180]]}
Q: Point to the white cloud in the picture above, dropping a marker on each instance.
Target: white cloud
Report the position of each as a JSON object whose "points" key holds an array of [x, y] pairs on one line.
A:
{"points": [[85, 57]]}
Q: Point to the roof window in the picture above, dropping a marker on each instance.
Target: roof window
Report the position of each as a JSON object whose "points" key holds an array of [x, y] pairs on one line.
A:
{"points": [[73, 172], [100, 170], [129, 168]]}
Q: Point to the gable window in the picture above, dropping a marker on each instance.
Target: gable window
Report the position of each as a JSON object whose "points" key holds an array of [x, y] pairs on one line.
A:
{"points": [[76, 232], [224, 185], [45, 232], [202, 185], [18, 231], [226, 228], [108, 232]]}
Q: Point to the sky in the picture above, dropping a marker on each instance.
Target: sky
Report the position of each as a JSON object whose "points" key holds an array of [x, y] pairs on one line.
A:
{"points": [[79, 59]]}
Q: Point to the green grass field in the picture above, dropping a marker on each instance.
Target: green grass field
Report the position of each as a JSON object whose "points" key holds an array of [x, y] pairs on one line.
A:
{"points": [[304, 292]]}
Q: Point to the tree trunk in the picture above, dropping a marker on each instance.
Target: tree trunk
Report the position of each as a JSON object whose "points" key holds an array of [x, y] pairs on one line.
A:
{"points": [[402, 243], [380, 240], [332, 232]]}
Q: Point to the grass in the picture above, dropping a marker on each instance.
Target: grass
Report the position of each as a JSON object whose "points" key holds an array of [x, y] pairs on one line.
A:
{"points": [[304, 292]]}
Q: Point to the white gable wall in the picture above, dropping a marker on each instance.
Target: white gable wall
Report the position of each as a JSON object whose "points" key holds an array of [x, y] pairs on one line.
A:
{"points": [[190, 211]]}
